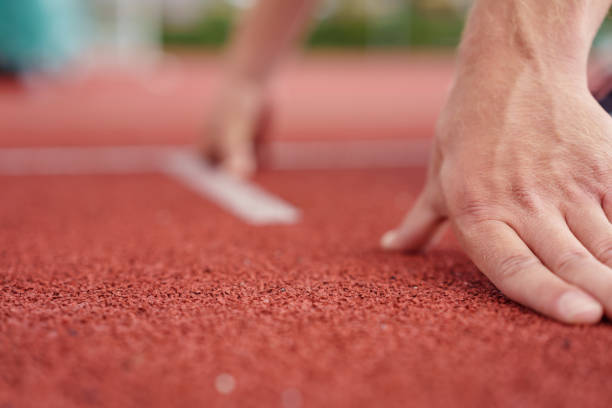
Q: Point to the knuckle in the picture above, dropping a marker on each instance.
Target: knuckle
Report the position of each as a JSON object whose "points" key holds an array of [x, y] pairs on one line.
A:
{"points": [[570, 259], [595, 176], [606, 200], [469, 201], [526, 198], [599, 166], [512, 265], [476, 210], [603, 250], [473, 206], [573, 193]]}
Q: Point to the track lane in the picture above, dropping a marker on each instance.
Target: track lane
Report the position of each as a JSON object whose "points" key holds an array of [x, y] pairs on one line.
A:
{"points": [[131, 291]]}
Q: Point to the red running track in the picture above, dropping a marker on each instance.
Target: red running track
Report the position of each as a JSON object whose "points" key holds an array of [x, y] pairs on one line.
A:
{"points": [[132, 291], [321, 97]]}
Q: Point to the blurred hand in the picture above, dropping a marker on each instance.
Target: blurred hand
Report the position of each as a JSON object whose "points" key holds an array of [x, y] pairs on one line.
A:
{"points": [[265, 35], [522, 169], [233, 126]]}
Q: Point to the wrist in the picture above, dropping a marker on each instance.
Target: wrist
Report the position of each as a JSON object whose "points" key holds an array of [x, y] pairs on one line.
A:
{"points": [[545, 38]]}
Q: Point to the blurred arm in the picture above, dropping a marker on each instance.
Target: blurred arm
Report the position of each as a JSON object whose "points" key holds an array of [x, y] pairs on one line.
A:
{"points": [[238, 113], [265, 34]]}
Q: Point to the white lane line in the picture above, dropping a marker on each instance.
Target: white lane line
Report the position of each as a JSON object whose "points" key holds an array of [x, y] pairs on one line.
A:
{"points": [[346, 154], [243, 199], [81, 160], [239, 197], [280, 155]]}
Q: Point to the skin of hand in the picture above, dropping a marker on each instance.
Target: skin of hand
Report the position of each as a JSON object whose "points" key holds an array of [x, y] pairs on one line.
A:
{"points": [[522, 160], [229, 136], [263, 38]]}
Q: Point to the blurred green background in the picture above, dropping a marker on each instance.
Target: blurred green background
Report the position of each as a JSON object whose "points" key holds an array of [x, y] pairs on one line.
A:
{"points": [[47, 34], [342, 23], [338, 23]]}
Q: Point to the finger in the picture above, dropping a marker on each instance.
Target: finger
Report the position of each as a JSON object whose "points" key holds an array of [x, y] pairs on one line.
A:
{"points": [[507, 261], [240, 163], [206, 147], [237, 147], [418, 228], [243, 142], [437, 236], [553, 242], [591, 226], [607, 206]]}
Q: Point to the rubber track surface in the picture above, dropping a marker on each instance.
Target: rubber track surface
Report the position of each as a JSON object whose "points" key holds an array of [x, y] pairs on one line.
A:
{"points": [[320, 97], [131, 291]]}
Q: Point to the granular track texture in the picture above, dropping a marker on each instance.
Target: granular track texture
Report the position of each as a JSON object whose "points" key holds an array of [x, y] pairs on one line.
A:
{"points": [[132, 291]]}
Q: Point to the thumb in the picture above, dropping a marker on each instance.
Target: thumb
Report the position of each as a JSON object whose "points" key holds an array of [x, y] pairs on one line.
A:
{"points": [[418, 229]]}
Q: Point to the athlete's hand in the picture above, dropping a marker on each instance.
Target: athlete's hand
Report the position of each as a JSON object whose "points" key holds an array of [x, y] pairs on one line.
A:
{"points": [[522, 169], [233, 125]]}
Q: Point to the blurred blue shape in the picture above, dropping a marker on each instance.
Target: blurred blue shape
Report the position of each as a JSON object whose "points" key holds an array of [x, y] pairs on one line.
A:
{"points": [[40, 35]]}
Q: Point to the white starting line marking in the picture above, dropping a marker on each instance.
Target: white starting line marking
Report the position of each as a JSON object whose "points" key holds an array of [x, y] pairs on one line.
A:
{"points": [[82, 160], [244, 199], [347, 154], [240, 197]]}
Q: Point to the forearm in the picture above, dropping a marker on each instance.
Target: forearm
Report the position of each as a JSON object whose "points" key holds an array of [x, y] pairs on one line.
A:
{"points": [[547, 36], [265, 34]]}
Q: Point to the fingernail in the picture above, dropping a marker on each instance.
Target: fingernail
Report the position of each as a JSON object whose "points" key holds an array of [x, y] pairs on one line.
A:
{"points": [[388, 239], [577, 307]]}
